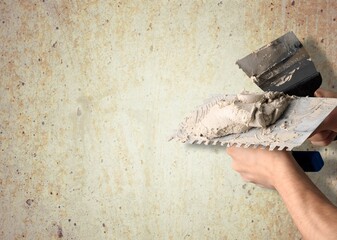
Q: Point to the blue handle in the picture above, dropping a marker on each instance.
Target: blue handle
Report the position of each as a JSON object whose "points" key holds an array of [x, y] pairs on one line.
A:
{"points": [[309, 161]]}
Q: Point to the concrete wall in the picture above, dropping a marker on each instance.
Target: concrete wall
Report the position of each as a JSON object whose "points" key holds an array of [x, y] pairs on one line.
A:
{"points": [[90, 91]]}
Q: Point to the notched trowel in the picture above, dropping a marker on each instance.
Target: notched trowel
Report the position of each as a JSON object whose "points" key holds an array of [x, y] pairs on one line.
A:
{"points": [[298, 122], [283, 66]]}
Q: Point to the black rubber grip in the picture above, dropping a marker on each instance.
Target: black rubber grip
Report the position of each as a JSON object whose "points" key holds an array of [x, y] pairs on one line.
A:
{"points": [[309, 161]]}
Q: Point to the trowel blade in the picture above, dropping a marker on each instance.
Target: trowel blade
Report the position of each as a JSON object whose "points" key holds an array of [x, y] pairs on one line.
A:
{"points": [[284, 66], [298, 122]]}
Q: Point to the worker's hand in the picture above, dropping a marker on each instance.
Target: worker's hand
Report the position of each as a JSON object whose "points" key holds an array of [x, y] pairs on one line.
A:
{"points": [[327, 131], [261, 166]]}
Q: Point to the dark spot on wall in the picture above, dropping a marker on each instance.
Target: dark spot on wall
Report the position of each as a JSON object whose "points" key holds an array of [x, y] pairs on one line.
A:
{"points": [[149, 27], [29, 202], [293, 3], [59, 232]]}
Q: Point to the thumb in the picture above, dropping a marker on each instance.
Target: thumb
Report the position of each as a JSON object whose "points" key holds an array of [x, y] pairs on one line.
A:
{"points": [[330, 122], [325, 93]]}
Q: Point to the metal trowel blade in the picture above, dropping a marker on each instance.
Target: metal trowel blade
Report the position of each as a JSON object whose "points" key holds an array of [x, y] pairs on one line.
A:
{"points": [[284, 66], [298, 122]]}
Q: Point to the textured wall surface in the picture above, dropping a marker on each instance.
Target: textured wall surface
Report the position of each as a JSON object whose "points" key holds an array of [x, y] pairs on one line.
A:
{"points": [[91, 90]]}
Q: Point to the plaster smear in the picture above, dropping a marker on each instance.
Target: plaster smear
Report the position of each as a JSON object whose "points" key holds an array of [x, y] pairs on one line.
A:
{"points": [[240, 114]]}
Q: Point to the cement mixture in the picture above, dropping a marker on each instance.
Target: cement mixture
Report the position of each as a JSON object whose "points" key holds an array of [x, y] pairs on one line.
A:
{"points": [[240, 114]]}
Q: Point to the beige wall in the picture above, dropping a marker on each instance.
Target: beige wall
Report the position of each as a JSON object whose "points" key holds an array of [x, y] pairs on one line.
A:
{"points": [[90, 91]]}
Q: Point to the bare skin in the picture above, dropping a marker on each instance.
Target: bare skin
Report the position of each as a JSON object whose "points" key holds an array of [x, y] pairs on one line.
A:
{"points": [[327, 131], [314, 215]]}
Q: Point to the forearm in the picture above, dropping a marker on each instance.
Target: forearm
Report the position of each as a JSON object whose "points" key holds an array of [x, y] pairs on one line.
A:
{"points": [[314, 215]]}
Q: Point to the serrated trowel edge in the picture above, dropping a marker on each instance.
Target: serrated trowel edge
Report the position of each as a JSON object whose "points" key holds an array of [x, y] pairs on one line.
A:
{"points": [[298, 122]]}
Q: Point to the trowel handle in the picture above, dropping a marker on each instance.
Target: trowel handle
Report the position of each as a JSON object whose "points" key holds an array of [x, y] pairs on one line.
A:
{"points": [[309, 161]]}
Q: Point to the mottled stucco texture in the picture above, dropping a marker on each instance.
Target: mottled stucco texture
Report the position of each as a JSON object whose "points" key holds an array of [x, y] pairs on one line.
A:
{"points": [[90, 91]]}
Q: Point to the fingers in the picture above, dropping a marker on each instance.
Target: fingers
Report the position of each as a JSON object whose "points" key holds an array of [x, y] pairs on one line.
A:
{"points": [[323, 138], [242, 158], [319, 136], [329, 123], [261, 166], [234, 151], [325, 93], [254, 165], [237, 152], [251, 178]]}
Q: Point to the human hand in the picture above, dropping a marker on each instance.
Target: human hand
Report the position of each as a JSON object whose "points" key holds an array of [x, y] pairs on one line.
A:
{"points": [[261, 166], [327, 131]]}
